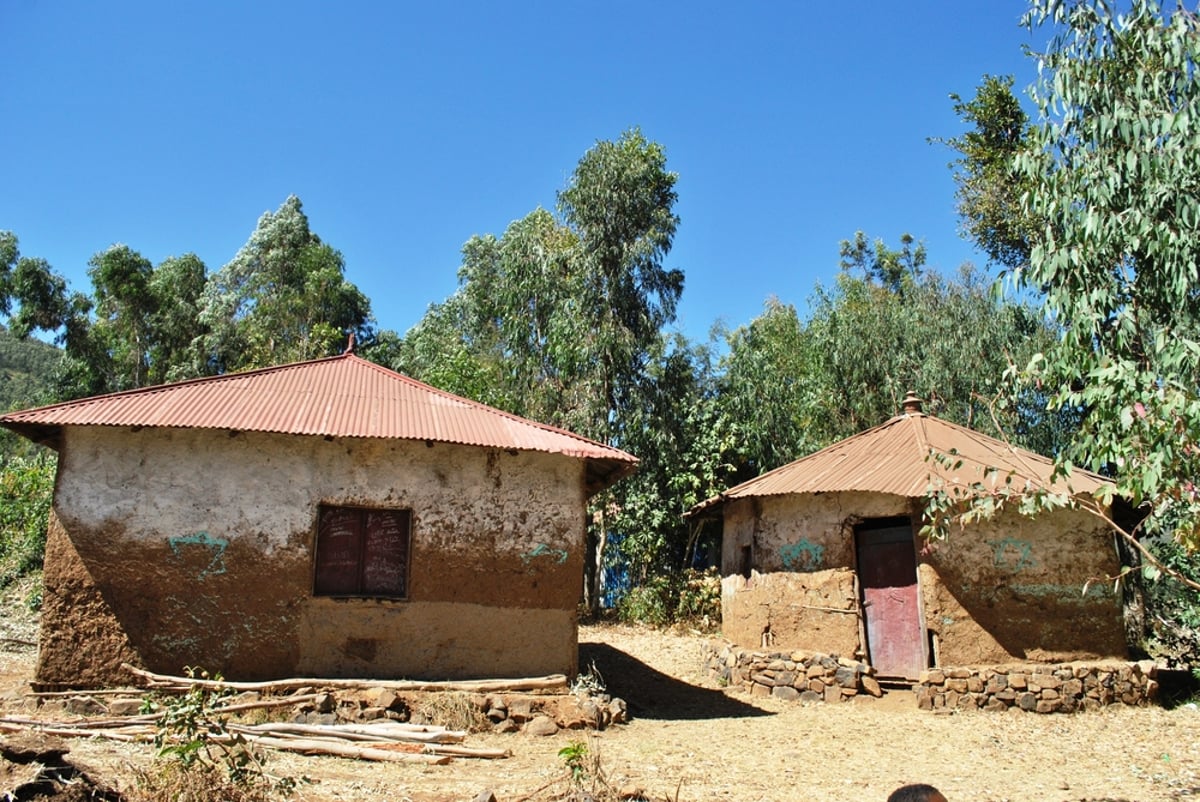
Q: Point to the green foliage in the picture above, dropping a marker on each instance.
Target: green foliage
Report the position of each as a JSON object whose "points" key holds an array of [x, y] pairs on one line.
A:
{"points": [[990, 187], [26, 495], [1114, 171], [691, 597], [282, 298], [888, 326], [574, 758], [195, 737], [561, 320], [1172, 631]]}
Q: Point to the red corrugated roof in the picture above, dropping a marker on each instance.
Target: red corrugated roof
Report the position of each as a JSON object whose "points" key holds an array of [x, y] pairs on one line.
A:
{"points": [[894, 458], [341, 396]]}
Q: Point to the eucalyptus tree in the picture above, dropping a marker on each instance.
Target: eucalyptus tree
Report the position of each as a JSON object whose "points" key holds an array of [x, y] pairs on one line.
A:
{"points": [[282, 298], [561, 317], [990, 187], [887, 326]]}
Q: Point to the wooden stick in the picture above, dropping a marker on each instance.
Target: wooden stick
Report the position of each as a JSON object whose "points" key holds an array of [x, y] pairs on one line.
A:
{"points": [[550, 682], [311, 747], [350, 733], [467, 751], [72, 732]]}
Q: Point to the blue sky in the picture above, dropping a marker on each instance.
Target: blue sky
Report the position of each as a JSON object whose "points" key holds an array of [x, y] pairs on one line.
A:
{"points": [[407, 128]]}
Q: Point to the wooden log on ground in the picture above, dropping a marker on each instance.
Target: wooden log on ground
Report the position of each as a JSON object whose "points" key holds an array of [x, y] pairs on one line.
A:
{"points": [[78, 732], [467, 751], [555, 682], [351, 732], [312, 747]]}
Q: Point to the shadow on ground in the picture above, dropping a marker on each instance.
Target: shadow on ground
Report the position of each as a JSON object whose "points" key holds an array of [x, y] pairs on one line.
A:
{"points": [[653, 695]]}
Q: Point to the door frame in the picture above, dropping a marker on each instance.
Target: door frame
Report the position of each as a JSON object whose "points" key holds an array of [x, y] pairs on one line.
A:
{"points": [[862, 526]]}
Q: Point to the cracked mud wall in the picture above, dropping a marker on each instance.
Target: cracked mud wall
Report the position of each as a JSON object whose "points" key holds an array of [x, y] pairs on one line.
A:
{"points": [[187, 547], [1012, 589]]}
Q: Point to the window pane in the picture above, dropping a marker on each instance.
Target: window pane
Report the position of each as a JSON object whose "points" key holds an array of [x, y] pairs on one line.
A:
{"points": [[385, 553], [339, 548]]}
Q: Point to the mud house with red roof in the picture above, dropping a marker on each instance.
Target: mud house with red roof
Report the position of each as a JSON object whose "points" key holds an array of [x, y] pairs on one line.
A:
{"points": [[825, 554], [326, 518]]}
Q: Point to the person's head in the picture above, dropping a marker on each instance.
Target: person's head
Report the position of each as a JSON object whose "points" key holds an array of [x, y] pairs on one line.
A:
{"points": [[916, 793]]}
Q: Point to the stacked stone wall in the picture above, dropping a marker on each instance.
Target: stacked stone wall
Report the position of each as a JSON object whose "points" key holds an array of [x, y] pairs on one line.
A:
{"points": [[1061, 688], [1035, 688], [806, 676]]}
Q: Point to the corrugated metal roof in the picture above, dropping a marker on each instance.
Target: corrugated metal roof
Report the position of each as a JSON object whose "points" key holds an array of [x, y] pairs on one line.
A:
{"points": [[895, 458], [341, 396]]}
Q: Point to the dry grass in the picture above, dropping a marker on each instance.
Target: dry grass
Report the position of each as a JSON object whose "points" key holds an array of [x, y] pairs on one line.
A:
{"points": [[453, 710]]}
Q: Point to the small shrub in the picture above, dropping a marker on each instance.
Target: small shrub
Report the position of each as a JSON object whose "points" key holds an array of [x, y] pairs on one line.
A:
{"points": [[692, 597], [26, 494], [204, 755]]}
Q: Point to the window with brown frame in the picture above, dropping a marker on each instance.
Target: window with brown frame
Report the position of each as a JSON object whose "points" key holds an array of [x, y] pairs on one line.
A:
{"points": [[362, 552]]}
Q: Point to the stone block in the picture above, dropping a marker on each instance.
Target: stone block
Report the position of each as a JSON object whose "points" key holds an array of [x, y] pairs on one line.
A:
{"points": [[846, 677], [785, 679], [1072, 687], [122, 706], [959, 673], [933, 677], [785, 692], [833, 693], [816, 686], [975, 684], [1047, 705], [760, 690], [542, 726], [809, 697], [520, 710], [871, 686], [1018, 681], [1027, 701], [956, 684]]}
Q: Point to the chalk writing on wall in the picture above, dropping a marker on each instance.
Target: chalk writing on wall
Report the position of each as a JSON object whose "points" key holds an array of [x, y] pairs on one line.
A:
{"points": [[802, 556], [541, 550], [215, 545], [1012, 554]]}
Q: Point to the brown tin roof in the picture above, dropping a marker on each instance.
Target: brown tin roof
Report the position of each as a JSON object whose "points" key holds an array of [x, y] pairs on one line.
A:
{"points": [[341, 396], [896, 458]]}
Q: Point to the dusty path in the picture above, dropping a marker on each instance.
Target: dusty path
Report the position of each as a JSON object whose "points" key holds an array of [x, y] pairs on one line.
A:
{"points": [[691, 737]]}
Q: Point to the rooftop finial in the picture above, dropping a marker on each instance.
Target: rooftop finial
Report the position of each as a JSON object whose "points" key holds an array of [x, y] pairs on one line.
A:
{"points": [[912, 404], [349, 344]]}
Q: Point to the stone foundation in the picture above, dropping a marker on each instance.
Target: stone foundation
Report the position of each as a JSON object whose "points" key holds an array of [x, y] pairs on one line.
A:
{"points": [[1036, 688], [1059, 688], [807, 676]]}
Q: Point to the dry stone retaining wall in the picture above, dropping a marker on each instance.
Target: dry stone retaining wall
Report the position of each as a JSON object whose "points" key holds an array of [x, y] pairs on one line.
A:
{"points": [[807, 676], [1036, 688], [1060, 688]]}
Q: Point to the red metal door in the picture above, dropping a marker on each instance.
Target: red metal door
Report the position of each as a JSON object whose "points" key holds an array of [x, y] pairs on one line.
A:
{"points": [[887, 569]]}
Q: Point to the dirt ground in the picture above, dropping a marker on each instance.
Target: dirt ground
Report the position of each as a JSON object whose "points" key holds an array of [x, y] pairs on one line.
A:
{"points": [[691, 740]]}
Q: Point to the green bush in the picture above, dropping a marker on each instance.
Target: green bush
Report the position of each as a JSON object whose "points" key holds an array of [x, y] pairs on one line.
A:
{"points": [[26, 493], [692, 597]]}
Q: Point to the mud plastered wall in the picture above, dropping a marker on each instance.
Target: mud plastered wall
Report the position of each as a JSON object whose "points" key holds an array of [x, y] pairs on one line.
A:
{"points": [[185, 547], [802, 532], [817, 611], [1012, 589], [801, 593]]}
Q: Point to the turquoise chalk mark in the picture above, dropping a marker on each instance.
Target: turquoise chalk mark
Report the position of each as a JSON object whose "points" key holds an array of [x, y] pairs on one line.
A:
{"points": [[542, 549], [1013, 554], [802, 555], [215, 544]]}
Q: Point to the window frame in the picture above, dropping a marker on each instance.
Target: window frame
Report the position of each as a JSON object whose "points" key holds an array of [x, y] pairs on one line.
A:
{"points": [[351, 548]]}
